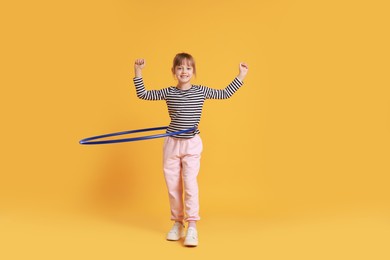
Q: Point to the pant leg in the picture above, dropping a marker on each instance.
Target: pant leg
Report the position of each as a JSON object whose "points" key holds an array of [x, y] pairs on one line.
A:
{"points": [[191, 153], [173, 178]]}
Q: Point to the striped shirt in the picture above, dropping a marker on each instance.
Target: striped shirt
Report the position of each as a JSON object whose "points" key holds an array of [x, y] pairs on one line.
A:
{"points": [[185, 106]]}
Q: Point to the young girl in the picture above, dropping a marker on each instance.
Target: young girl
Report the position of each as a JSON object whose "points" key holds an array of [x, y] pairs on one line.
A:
{"points": [[181, 153]]}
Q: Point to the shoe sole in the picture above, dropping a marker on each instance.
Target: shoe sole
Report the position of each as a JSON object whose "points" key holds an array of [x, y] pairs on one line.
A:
{"points": [[191, 245], [170, 239], [174, 238]]}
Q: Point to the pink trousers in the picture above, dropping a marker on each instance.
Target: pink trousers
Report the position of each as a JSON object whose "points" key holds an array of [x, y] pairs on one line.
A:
{"points": [[181, 161]]}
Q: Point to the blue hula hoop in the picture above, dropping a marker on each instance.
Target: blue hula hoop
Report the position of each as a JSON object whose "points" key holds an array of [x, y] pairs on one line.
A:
{"points": [[89, 140]]}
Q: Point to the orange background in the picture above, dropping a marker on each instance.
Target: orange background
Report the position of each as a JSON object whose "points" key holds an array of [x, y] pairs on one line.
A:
{"points": [[295, 165]]}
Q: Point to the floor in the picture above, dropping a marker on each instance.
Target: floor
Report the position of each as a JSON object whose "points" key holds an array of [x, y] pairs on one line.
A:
{"points": [[363, 235]]}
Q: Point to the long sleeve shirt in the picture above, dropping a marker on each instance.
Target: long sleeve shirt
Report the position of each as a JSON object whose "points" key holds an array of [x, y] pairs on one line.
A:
{"points": [[185, 106]]}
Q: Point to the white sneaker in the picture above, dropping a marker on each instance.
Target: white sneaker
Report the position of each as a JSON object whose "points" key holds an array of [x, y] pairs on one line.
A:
{"points": [[191, 237], [176, 232]]}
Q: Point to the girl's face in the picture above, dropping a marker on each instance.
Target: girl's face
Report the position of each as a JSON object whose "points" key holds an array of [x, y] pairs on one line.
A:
{"points": [[184, 72]]}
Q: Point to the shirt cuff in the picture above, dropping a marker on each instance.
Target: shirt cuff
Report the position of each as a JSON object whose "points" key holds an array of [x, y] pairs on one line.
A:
{"points": [[242, 82]]}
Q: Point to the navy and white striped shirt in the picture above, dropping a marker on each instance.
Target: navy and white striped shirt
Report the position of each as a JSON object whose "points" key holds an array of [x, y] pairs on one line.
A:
{"points": [[185, 106]]}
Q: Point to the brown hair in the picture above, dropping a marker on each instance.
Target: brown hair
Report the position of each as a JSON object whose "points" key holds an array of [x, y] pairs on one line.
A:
{"points": [[181, 58]]}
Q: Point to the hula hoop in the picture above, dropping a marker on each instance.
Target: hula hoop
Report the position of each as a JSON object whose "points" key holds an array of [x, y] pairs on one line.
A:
{"points": [[89, 140]]}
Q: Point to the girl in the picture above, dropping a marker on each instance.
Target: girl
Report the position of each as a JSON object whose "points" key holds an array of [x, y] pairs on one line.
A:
{"points": [[181, 153]]}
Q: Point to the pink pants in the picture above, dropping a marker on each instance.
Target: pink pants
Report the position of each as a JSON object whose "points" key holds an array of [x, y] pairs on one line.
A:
{"points": [[181, 166]]}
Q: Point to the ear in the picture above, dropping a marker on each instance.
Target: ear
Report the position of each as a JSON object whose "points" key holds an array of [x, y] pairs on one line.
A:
{"points": [[173, 70]]}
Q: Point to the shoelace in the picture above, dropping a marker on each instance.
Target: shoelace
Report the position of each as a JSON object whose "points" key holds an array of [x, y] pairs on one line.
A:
{"points": [[191, 233], [176, 227]]}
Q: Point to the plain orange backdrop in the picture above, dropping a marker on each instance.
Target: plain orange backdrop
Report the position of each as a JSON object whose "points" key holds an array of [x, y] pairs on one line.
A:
{"points": [[308, 133]]}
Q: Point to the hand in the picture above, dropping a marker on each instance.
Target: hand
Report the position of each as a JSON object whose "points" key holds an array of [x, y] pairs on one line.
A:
{"points": [[139, 64], [243, 71]]}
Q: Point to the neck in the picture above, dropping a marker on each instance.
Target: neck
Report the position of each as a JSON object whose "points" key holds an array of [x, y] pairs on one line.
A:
{"points": [[184, 86]]}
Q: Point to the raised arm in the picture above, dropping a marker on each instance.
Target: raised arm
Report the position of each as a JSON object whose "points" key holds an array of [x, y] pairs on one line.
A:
{"points": [[227, 92], [142, 93]]}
